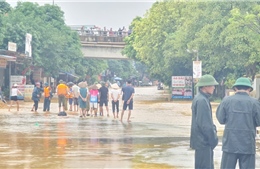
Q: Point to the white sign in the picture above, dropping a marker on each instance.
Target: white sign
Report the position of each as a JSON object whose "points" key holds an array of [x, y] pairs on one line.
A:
{"points": [[28, 92], [28, 45], [12, 46], [178, 81], [197, 70]]}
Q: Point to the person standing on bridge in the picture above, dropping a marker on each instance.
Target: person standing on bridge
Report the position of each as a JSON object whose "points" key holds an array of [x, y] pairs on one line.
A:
{"points": [[203, 136], [128, 94], [240, 114]]}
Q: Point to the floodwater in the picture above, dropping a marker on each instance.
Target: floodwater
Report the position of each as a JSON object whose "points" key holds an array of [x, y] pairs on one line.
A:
{"points": [[157, 137]]}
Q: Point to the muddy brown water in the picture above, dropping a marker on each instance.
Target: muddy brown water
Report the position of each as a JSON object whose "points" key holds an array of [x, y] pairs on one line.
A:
{"points": [[157, 137]]}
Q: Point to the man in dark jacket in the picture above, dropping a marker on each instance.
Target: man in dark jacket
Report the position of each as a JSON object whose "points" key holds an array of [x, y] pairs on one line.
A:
{"points": [[203, 136], [241, 115]]}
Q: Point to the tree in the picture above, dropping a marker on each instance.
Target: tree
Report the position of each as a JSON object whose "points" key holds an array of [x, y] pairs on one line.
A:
{"points": [[54, 45], [4, 9], [169, 28]]}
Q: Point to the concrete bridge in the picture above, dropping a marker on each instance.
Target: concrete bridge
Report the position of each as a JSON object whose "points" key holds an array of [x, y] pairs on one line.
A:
{"points": [[102, 44]]}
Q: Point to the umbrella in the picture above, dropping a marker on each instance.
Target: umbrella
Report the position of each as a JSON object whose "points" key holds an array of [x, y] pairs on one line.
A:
{"points": [[118, 78]]}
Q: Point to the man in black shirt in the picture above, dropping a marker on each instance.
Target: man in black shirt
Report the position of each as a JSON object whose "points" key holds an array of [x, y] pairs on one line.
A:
{"points": [[103, 98]]}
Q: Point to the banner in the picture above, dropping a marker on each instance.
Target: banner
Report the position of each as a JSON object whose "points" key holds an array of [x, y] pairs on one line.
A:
{"points": [[197, 70], [28, 45], [182, 87]]}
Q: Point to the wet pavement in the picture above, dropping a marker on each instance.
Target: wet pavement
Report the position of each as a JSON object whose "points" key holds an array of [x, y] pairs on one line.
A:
{"points": [[157, 137]]}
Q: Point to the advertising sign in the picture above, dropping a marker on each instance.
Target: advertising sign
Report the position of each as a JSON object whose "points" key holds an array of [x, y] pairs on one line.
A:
{"points": [[197, 70], [28, 92], [28, 45], [3, 63], [21, 82], [12, 46], [181, 87]]}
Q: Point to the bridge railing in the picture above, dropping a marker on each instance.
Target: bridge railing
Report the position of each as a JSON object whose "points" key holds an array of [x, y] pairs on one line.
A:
{"points": [[102, 36]]}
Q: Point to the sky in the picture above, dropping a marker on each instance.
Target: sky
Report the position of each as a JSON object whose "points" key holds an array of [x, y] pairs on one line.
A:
{"points": [[102, 13]]}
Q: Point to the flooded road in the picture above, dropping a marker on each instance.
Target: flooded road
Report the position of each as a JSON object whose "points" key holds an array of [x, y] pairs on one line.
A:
{"points": [[157, 137]]}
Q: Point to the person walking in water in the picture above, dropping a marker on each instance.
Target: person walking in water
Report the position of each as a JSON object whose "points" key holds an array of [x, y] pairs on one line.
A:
{"points": [[128, 93], [36, 95], [62, 90], [115, 95], [83, 94], [47, 97], [14, 94], [103, 99]]}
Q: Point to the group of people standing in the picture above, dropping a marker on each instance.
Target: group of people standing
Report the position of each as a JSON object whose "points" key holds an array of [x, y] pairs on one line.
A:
{"points": [[82, 98], [240, 113]]}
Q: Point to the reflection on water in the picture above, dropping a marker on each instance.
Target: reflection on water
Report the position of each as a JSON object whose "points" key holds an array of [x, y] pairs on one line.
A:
{"points": [[45, 140]]}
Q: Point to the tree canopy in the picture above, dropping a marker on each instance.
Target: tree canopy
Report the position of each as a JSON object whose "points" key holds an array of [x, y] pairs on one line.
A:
{"points": [[55, 47], [224, 34]]}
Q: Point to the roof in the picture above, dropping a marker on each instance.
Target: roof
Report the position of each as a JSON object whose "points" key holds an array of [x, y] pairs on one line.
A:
{"points": [[8, 58]]}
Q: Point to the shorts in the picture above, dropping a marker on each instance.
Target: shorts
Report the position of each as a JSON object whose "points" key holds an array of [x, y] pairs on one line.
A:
{"points": [[130, 105], [94, 105], [14, 98], [76, 101], [101, 102], [70, 101], [61, 99]]}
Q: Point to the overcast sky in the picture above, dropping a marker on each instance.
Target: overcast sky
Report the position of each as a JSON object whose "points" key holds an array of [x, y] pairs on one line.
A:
{"points": [[102, 13]]}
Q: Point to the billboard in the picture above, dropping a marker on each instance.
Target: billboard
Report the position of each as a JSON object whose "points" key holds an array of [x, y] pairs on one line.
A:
{"points": [[12, 46], [182, 87]]}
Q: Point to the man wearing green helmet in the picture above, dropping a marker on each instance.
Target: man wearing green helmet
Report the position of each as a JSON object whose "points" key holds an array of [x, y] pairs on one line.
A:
{"points": [[240, 114], [203, 136]]}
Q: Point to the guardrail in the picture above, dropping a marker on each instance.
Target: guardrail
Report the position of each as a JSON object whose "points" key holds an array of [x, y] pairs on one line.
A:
{"points": [[102, 36]]}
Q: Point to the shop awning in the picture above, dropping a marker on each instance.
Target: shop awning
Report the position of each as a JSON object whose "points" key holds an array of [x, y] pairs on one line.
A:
{"points": [[8, 58], [70, 74]]}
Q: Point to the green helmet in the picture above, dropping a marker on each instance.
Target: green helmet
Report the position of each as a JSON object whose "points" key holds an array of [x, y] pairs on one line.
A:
{"points": [[243, 81], [206, 80]]}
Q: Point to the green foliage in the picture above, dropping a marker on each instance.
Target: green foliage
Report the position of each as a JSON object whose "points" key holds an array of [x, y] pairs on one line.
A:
{"points": [[4, 9], [225, 35], [122, 68], [54, 45]]}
